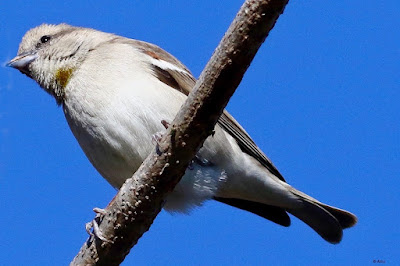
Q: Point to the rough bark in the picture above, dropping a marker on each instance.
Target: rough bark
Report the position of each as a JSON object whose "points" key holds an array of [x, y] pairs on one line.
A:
{"points": [[133, 209]]}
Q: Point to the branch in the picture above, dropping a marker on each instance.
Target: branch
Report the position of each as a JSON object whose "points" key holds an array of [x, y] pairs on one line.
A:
{"points": [[132, 211]]}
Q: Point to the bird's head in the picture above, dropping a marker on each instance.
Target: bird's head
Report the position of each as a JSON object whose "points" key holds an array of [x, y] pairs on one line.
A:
{"points": [[50, 54]]}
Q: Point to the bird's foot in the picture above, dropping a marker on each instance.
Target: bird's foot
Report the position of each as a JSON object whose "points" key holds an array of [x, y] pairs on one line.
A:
{"points": [[156, 138], [92, 227], [199, 161]]}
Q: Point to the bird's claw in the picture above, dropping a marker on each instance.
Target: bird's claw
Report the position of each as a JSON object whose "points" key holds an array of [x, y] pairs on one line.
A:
{"points": [[156, 138], [165, 123], [93, 229], [200, 161]]}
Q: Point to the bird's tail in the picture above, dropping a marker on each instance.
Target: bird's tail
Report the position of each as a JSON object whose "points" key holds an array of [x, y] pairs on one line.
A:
{"points": [[326, 220]]}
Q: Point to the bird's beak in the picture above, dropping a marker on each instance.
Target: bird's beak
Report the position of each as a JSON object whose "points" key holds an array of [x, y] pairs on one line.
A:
{"points": [[22, 61]]}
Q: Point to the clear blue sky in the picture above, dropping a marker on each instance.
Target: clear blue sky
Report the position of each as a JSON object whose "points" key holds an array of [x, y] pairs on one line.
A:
{"points": [[321, 99]]}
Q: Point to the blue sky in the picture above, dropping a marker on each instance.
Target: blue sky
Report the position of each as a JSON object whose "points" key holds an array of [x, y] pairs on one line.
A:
{"points": [[321, 99]]}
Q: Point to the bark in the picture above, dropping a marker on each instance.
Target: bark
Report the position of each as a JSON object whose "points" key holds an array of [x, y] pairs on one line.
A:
{"points": [[133, 209]]}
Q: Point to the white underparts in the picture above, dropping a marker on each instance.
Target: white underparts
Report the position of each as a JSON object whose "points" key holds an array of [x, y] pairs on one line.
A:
{"points": [[200, 183]]}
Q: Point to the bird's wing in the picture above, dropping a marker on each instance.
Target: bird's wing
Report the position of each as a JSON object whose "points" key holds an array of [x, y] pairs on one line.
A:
{"points": [[230, 125], [173, 73]]}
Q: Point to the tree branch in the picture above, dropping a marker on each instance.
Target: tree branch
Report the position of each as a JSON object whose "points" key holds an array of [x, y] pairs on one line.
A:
{"points": [[140, 199]]}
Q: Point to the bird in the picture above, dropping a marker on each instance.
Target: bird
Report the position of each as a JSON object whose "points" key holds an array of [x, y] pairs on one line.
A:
{"points": [[114, 91]]}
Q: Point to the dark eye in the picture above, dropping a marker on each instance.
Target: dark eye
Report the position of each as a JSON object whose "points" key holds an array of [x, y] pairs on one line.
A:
{"points": [[45, 38]]}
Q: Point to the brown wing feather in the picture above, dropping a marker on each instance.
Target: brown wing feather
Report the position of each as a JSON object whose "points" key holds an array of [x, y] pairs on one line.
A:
{"points": [[184, 81], [230, 125]]}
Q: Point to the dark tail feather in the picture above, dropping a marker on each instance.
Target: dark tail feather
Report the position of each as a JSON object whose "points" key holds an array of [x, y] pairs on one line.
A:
{"points": [[272, 213], [319, 219], [326, 220], [345, 218]]}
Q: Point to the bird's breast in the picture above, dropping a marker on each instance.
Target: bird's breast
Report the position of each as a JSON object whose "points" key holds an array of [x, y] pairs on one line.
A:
{"points": [[114, 122]]}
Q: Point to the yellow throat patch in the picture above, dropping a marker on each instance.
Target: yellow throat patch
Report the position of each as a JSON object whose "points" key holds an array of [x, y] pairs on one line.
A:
{"points": [[63, 75]]}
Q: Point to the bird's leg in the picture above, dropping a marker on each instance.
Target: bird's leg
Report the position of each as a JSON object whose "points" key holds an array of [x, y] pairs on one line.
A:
{"points": [[92, 227], [165, 123], [201, 161], [156, 138]]}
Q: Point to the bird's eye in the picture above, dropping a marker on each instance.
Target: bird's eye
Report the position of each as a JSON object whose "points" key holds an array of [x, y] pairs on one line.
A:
{"points": [[45, 39]]}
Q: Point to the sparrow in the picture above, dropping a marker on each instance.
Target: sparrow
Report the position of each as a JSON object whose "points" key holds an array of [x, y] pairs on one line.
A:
{"points": [[115, 91]]}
